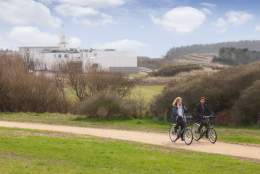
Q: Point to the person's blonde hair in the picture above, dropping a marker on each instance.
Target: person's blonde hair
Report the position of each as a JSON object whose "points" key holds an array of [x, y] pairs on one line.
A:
{"points": [[177, 99]]}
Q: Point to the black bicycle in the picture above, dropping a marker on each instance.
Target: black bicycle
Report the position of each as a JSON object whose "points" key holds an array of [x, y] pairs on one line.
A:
{"points": [[206, 130], [175, 133]]}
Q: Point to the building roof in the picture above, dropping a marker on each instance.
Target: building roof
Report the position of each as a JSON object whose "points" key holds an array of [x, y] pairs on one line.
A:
{"points": [[39, 47]]}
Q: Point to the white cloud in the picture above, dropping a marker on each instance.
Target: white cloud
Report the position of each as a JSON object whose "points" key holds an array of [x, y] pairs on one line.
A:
{"points": [[94, 3], [208, 5], [221, 24], [27, 12], [124, 44], [238, 17], [32, 36], [181, 19], [86, 13], [232, 18], [257, 28], [99, 20], [2, 44], [75, 11], [47, 2], [29, 36], [207, 11], [74, 42]]}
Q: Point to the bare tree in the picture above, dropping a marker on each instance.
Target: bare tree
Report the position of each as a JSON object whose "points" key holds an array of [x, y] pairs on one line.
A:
{"points": [[96, 81], [77, 80], [29, 62], [60, 81]]}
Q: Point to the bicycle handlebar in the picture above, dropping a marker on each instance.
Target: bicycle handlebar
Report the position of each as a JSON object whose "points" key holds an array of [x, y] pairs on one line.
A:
{"points": [[189, 117], [210, 116]]}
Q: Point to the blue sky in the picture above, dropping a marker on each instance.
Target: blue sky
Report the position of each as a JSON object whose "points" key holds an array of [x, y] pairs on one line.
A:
{"points": [[149, 27]]}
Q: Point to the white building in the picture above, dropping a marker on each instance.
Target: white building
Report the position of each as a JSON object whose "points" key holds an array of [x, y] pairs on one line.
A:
{"points": [[46, 58], [110, 58]]}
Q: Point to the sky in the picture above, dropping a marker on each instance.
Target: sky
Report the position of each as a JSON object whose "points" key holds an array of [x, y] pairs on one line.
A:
{"points": [[148, 27]]}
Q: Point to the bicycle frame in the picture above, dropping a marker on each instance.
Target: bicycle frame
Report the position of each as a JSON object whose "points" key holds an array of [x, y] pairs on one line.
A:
{"points": [[188, 124], [208, 124]]}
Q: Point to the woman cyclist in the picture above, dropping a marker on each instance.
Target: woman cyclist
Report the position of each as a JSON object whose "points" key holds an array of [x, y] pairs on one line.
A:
{"points": [[178, 114]]}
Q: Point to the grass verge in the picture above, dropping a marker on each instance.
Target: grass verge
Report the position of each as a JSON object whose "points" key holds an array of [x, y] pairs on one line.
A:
{"points": [[35, 152], [231, 135]]}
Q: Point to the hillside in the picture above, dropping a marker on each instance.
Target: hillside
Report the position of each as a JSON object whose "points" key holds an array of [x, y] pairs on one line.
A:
{"points": [[210, 49], [204, 60], [202, 54], [228, 92], [194, 58], [236, 56]]}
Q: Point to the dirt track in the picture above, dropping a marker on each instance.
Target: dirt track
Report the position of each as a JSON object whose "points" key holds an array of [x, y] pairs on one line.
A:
{"points": [[160, 139]]}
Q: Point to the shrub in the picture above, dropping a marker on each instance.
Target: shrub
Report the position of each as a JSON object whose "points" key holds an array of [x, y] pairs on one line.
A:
{"points": [[236, 56], [21, 91], [107, 106], [224, 118], [222, 89], [107, 82], [246, 110], [97, 81], [172, 70]]}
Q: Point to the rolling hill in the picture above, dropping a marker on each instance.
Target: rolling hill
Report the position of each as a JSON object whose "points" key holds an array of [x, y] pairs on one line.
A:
{"points": [[210, 49]]}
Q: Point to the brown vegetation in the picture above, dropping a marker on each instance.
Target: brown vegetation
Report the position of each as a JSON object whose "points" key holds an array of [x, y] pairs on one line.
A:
{"points": [[97, 81], [108, 106], [23, 91], [222, 89], [172, 70]]}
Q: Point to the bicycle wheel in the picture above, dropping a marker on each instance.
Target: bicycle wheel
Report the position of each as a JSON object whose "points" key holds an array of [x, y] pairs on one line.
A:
{"points": [[173, 134], [188, 136], [212, 135], [195, 132]]}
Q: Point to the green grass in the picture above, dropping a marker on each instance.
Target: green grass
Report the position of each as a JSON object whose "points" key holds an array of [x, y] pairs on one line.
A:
{"points": [[240, 135], [138, 75], [74, 120], [139, 92], [32, 152], [70, 94], [231, 135], [146, 92]]}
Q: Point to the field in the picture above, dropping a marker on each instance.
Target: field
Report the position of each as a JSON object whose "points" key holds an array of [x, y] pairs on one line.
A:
{"points": [[232, 135], [146, 92], [34, 152], [139, 92]]}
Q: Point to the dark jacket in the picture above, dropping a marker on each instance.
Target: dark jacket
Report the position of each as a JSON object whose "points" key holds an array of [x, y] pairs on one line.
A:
{"points": [[202, 110], [175, 112]]}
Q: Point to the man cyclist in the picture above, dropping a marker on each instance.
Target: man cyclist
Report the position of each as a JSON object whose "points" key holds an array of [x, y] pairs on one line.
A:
{"points": [[202, 109]]}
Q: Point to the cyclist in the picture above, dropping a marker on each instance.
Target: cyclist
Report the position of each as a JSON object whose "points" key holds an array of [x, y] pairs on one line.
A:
{"points": [[178, 114], [202, 109]]}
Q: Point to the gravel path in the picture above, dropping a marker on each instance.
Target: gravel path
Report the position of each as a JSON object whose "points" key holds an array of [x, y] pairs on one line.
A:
{"points": [[160, 139]]}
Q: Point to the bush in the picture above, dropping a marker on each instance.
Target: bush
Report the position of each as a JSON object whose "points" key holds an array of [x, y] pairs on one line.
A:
{"points": [[246, 110], [222, 89], [97, 81], [107, 82], [172, 70], [21, 91], [224, 118], [107, 106], [236, 56]]}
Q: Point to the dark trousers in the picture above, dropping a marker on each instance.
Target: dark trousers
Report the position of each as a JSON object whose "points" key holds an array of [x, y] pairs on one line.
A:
{"points": [[201, 123], [180, 122]]}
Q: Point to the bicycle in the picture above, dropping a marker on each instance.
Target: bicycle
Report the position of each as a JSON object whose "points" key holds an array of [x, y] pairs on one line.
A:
{"points": [[207, 130], [175, 134]]}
